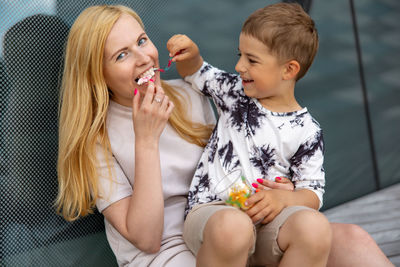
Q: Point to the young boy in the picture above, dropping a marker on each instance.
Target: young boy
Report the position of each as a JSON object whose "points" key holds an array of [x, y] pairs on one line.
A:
{"points": [[263, 132]]}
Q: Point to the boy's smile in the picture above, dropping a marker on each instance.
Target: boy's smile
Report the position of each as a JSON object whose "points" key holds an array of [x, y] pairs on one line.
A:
{"points": [[245, 81]]}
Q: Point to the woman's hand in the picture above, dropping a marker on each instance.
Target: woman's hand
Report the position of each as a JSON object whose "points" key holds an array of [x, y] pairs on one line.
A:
{"points": [[280, 183], [185, 53], [150, 115]]}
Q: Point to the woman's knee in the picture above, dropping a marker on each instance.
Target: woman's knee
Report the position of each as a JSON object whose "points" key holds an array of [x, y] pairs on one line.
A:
{"points": [[229, 229], [311, 229], [351, 233]]}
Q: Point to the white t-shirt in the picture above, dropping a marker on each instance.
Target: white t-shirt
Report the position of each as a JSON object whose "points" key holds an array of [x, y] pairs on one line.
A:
{"points": [[258, 142], [178, 162]]}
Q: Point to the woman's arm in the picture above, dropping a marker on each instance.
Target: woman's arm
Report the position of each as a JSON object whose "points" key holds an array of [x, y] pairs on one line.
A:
{"points": [[140, 217]]}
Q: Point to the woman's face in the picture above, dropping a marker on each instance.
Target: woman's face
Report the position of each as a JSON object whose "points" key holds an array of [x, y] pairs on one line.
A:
{"points": [[128, 54]]}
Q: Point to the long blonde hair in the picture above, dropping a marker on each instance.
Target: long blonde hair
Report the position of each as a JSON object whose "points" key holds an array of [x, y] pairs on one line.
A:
{"points": [[83, 108]]}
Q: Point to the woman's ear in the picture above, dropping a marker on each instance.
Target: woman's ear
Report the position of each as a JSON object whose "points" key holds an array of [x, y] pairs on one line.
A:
{"points": [[291, 69]]}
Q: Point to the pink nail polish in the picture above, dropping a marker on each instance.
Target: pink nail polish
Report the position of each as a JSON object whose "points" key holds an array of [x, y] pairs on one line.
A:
{"points": [[135, 92], [152, 80], [254, 185], [260, 180], [278, 178]]}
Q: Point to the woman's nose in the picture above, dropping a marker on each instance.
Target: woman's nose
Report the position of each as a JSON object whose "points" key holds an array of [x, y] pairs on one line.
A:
{"points": [[141, 58]]}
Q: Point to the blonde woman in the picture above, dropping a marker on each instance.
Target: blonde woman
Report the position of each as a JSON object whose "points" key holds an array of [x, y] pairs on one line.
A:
{"points": [[128, 149], [116, 150]]}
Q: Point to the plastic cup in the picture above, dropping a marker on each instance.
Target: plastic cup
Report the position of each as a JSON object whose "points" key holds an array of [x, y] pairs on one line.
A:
{"points": [[234, 189]]}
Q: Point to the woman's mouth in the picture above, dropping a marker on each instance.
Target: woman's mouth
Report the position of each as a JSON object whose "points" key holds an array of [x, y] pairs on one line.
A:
{"points": [[145, 76]]}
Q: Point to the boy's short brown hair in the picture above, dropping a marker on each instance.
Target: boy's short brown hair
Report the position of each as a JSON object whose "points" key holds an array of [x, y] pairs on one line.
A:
{"points": [[287, 30]]}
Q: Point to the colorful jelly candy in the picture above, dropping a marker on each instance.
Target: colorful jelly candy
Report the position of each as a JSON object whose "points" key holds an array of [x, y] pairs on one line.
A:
{"points": [[239, 192]]}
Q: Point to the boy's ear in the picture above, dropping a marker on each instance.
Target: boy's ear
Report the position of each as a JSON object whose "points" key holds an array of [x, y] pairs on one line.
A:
{"points": [[291, 70]]}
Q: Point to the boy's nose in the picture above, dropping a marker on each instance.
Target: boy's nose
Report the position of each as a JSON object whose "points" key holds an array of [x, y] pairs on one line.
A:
{"points": [[239, 67]]}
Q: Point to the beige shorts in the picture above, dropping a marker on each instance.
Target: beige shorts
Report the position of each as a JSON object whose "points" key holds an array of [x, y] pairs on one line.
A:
{"points": [[265, 250]]}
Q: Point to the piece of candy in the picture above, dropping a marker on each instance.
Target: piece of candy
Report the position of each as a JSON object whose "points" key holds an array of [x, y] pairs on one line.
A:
{"points": [[239, 192], [168, 65], [146, 77]]}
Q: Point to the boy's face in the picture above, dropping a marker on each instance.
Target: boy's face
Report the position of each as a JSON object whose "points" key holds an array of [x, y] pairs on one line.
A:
{"points": [[260, 71]]}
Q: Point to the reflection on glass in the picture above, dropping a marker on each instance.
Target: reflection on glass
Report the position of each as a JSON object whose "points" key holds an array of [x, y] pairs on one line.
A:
{"points": [[12, 11]]}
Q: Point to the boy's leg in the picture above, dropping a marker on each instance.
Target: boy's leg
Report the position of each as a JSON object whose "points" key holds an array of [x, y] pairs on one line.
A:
{"points": [[226, 235], [305, 238], [287, 231]]}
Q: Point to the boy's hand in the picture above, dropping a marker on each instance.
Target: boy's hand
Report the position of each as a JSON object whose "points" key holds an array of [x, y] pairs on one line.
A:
{"points": [[183, 44], [266, 205], [185, 53]]}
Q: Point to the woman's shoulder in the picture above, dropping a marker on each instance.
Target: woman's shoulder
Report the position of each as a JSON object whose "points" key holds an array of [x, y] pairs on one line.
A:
{"points": [[178, 84], [185, 89], [199, 106]]}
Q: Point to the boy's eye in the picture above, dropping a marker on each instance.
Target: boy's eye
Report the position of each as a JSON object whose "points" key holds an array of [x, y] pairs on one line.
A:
{"points": [[121, 56], [252, 61], [239, 54]]}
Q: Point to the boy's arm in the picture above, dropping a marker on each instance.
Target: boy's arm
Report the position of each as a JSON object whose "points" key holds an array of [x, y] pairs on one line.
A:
{"points": [[223, 87], [308, 177], [185, 53], [302, 197], [307, 165]]}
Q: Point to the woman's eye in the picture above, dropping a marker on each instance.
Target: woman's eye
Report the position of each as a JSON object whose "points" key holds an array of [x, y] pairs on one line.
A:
{"points": [[142, 41], [121, 56]]}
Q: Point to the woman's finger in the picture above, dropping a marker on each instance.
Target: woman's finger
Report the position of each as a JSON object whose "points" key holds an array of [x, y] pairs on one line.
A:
{"points": [[284, 183], [148, 97], [170, 108], [158, 98], [282, 179], [164, 103], [266, 183], [158, 89], [287, 185], [135, 102]]}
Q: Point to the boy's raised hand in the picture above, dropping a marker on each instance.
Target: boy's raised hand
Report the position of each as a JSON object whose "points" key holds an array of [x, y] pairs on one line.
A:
{"points": [[185, 53]]}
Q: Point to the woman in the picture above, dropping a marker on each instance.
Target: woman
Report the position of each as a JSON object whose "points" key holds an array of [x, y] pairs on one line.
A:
{"points": [[131, 149]]}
